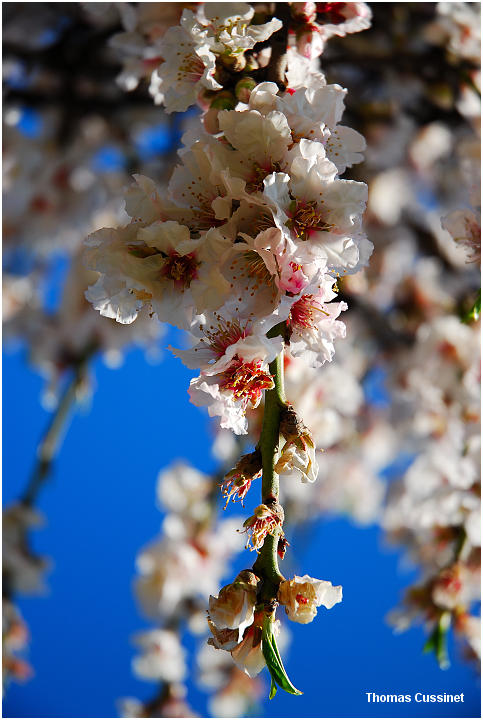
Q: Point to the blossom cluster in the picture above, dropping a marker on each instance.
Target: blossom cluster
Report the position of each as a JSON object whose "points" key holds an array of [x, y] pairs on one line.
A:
{"points": [[236, 621], [429, 340], [255, 228], [192, 62], [437, 506]]}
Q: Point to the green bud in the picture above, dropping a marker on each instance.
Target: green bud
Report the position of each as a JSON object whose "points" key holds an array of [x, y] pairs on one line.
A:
{"points": [[235, 62], [224, 100], [244, 87]]}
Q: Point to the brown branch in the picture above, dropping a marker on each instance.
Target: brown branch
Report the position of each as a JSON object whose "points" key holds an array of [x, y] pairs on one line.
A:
{"points": [[278, 59]]}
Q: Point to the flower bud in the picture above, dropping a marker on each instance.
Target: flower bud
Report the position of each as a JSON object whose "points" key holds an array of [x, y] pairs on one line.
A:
{"points": [[283, 544], [309, 41], [223, 100], [205, 98], [252, 63], [244, 87], [235, 62], [303, 595], [304, 11]]}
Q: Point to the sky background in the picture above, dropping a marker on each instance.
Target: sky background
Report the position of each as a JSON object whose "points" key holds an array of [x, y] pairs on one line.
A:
{"points": [[100, 510]]}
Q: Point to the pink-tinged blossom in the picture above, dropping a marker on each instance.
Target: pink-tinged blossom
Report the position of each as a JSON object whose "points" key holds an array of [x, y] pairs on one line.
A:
{"points": [[322, 213], [312, 322], [234, 369], [303, 11], [343, 18], [456, 586]]}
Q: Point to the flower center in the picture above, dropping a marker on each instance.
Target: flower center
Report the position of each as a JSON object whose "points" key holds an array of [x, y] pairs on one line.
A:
{"points": [[182, 269], [259, 173], [301, 600], [305, 313], [246, 381], [257, 268], [305, 218], [227, 333], [191, 68], [260, 527]]}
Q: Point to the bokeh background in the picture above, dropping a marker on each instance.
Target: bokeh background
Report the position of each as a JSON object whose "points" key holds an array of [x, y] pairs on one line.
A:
{"points": [[72, 139]]}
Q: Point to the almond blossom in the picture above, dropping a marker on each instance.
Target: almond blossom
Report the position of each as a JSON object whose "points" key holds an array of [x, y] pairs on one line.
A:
{"points": [[301, 597], [162, 656], [263, 522], [190, 51]]}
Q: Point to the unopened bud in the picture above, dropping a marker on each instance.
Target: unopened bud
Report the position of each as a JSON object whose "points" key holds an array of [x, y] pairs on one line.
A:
{"points": [[244, 87], [304, 11], [309, 41], [235, 62], [252, 63], [224, 100], [248, 577], [221, 75], [205, 98], [283, 544]]}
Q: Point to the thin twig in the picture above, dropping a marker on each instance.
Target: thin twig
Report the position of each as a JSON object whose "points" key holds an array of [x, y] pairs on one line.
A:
{"points": [[52, 438]]}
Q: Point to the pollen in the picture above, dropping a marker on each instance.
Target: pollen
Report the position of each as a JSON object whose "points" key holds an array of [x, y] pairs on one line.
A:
{"points": [[306, 313], [305, 218], [182, 269], [246, 381]]}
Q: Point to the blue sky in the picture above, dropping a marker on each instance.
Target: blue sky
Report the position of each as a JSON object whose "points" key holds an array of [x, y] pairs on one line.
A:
{"points": [[100, 509]]}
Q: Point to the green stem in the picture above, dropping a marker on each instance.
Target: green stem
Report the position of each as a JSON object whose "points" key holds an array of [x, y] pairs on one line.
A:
{"points": [[266, 565], [269, 438], [49, 444]]}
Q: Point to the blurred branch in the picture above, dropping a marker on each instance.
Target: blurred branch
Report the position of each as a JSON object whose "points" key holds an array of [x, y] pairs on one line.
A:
{"points": [[52, 438]]}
